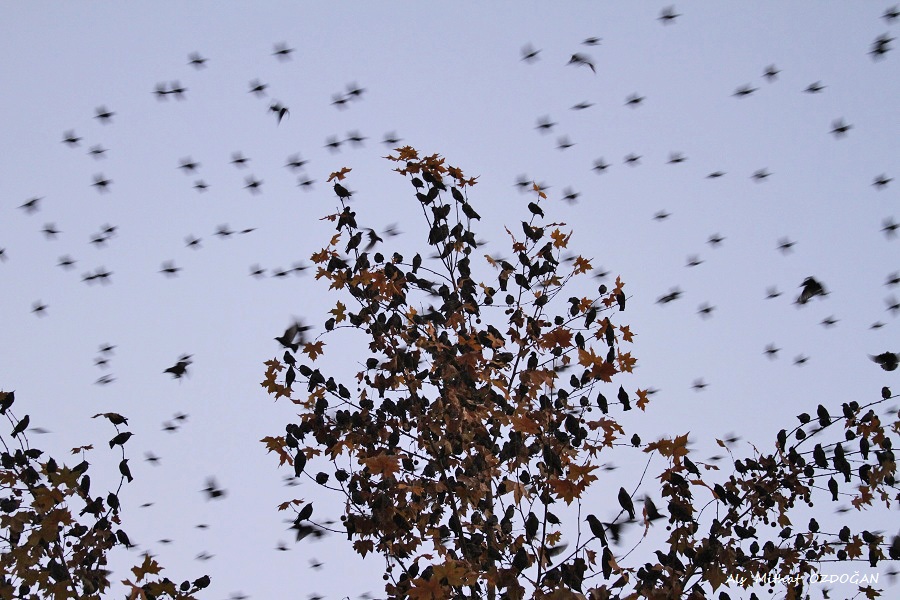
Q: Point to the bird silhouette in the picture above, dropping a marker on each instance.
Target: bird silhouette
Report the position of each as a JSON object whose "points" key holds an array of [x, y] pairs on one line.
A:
{"points": [[258, 88], [814, 88], [578, 59], [197, 61], [668, 15], [529, 53], [282, 51], [179, 369], [280, 111], [811, 289]]}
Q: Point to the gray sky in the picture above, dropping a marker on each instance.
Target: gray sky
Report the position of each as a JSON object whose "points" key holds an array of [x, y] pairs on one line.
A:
{"points": [[446, 79]]}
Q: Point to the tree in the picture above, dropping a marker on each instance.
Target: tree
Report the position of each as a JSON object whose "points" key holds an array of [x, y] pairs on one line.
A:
{"points": [[51, 549], [479, 414]]}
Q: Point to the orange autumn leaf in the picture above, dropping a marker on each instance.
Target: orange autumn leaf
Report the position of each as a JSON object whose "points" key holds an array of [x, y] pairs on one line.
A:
{"points": [[339, 175], [383, 465]]}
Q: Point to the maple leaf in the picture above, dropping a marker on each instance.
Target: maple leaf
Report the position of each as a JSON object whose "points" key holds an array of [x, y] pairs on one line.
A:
{"points": [[560, 240], [149, 566], [338, 312], [626, 362], [313, 349], [82, 448], [363, 547], [276, 444], [626, 333], [560, 336], [524, 425], [427, 590], [582, 265], [565, 489], [339, 175], [382, 464], [642, 399]]}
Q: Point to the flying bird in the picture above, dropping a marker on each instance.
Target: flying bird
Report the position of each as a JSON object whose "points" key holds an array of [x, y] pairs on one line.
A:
{"points": [[582, 59], [744, 90], [280, 110], [811, 289], [668, 15], [771, 73], [529, 53], [197, 61], [282, 52], [814, 88], [258, 88], [103, 114], [887, 360], [179, 369], [839, 128]]}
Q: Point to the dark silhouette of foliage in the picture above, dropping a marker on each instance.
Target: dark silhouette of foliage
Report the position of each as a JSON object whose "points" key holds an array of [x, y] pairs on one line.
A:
{"points": [[479, 413], [56, 530]]}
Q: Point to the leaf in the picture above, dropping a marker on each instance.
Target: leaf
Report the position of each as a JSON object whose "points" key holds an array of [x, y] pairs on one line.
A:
{"points": [[626, 333], [149, 566], [642, 400], [363, 547], [313, 349], [383, 464], [338, 312], [582, 265], [560, 240], [339, 175]]}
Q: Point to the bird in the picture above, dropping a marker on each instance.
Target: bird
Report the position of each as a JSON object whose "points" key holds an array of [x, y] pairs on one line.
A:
{"points": [[814, 88], [625, 502], [39, 308], [103, 114], [295, 162], [258, 88], [124, 470], [332, 143], [342, 192], [705, 310], [179, 369], [771, 73], [355, 138], [676, 158], [839, 128], [744, 90], [881, 181], [662, 215], [120, 438], [668, 15], [70, 138], [771, 351], [632, 159], [582, 59], [31, 205], [197, 61], [597, 529], [881, 46], [212, 490], [529, 53], [50, 231], [714, 240], [544, 124], [582, 105], [785, 245], [889, 227], [101, 183], [563, 143], [282, 52], [699, 384], [354, 92], [600, 166], [634, 100], [693, 261], [715, 175], [169, 269], [811, 289], [253, 184], [391, 139], [760, 174], [280, 110]]}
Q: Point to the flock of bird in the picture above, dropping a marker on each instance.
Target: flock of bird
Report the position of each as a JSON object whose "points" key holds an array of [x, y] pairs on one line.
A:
{"points": [[810, 288]]}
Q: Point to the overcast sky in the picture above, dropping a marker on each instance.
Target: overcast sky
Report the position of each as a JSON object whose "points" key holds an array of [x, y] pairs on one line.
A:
{"points": [[445, 78]]}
